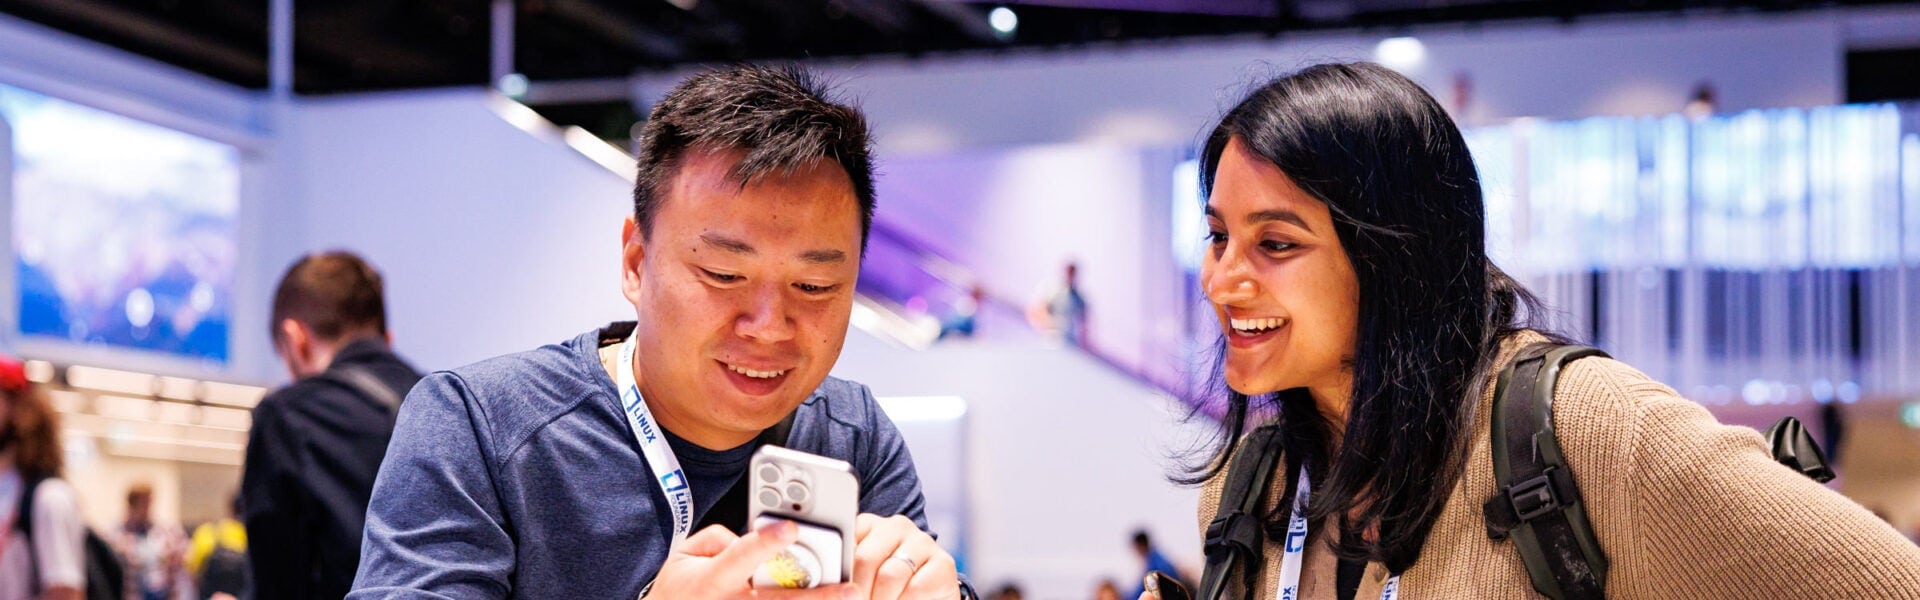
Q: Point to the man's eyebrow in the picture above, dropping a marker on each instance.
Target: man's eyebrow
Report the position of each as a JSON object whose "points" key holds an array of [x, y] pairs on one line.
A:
{"points": [[818, 257], [728, 244], [821, 257]]}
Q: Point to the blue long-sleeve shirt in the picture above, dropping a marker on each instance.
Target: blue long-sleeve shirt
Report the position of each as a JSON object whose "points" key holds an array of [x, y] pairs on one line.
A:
{"points": [[520, 477]]}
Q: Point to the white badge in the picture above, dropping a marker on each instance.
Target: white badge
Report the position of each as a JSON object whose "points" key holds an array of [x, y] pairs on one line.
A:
{"points": [[653, 444], [1288, 588]]}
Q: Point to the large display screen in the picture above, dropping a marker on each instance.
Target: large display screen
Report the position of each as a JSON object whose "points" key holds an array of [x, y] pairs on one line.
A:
{"points": [[123, 231]]}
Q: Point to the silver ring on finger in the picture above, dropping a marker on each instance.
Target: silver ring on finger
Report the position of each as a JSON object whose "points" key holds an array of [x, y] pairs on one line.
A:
{"points": [[911, 564]]}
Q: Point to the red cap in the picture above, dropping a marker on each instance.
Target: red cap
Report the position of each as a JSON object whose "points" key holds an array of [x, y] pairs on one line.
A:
{"points": [[13, 375]]}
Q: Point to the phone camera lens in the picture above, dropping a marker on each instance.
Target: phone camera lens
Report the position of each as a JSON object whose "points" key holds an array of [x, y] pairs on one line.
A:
{"points": [[769, 473], [769, 496], [798, 492]]}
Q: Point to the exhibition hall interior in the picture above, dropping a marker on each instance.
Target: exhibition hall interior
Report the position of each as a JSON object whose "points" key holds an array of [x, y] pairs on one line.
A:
{"points": [[1724, 195]]}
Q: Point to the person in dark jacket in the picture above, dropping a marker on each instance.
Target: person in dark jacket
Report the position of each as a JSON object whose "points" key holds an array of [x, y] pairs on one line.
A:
{"points": [[317, 443]]}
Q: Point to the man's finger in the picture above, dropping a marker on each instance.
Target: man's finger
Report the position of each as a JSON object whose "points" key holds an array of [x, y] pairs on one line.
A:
{"points": [[881, 538], [936, 577], [864, 523], [708, 542], [839, 591], [747, 553], [890, 582]]}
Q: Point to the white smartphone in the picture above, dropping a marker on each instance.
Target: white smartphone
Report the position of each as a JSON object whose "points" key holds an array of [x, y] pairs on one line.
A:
{"points": [[819, 494]]}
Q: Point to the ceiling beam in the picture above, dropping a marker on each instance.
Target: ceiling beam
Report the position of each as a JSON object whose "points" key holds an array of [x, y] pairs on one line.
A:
{"points": [[153, 34], [618, 29], [1236, 8]]}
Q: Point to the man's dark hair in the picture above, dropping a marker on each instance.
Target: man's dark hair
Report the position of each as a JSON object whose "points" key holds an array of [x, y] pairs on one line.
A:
{"points": [[333, 293], [781, 117], [1140, 539]]}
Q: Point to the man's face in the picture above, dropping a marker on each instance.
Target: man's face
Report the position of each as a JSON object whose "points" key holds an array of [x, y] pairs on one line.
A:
{"points": [[742, 294], [139, 509]]}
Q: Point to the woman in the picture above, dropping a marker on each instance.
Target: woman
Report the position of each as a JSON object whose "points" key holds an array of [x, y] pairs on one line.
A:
{"points": [[1361, 315], [50, 566]]}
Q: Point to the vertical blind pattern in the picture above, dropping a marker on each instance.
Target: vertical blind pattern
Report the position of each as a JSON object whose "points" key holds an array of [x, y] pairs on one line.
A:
{"points": [[1762, 257]]}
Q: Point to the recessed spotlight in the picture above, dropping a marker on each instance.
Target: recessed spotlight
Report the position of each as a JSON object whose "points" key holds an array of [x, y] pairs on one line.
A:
{"points": [[514, 85], [1003, 21]]}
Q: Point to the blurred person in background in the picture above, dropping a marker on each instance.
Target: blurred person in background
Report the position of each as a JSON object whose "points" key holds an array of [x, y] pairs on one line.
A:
{"points": [[49, 563], [965, 315], [154, 553], [1361, 317], [217, 558], [317, 443], [1152, 560], [1107, 590], [1061, 311], [1008, 591]]}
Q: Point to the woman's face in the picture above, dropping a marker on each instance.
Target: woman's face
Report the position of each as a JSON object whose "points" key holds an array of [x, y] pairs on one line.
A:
{"points": [[1279, 281]]}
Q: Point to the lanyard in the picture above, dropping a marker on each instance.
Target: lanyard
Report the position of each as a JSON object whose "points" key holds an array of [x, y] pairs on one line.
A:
{"points": [[1288, 588], [666, 466]]}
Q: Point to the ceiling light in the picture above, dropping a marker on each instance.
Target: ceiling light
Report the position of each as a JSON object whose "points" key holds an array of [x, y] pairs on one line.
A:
{"points": [[514, 85], [1003, 21], [1401, 54]]}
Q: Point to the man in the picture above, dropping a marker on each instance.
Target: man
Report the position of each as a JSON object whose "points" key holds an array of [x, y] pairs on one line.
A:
{"points": [[153, 553], [1061, 311], [564, 472], [317, 443], [1154, 561], [217, 558]]}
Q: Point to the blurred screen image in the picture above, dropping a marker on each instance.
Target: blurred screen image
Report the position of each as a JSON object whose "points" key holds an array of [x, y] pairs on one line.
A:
{"points": [[123, 231]]}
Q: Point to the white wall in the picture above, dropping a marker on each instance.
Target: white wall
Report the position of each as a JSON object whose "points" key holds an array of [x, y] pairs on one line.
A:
{"points": [[491, 239], [1166, 93], [1065, 459]]}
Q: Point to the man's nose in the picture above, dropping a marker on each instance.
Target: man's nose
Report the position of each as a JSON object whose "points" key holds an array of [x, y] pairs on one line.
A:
{"points": [[766, 317]]}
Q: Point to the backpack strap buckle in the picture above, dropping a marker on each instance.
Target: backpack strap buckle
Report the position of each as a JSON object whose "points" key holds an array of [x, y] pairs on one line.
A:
{"points": [[1533, 497], [1529, 499], [1233, 532]]}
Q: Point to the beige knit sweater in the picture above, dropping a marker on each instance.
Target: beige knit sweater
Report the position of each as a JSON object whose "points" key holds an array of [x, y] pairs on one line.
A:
{"points": [[1684, 507]]}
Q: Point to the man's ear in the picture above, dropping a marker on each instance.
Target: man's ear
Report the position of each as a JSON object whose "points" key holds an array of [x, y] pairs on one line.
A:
{"points": [[296, 344], [633, 251]]}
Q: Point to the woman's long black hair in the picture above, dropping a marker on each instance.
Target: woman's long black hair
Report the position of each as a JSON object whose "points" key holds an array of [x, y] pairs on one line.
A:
{"points": [[1395, 172]]}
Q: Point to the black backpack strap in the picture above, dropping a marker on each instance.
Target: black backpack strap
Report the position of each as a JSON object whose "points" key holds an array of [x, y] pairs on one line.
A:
{"points": [[731, 509], [1794, 447], [23, 522], [1236, 536], [363, 381], [1538, 502]]}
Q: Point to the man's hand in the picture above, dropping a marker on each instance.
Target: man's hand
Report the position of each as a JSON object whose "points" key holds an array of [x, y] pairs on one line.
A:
{"points": [[715, 564], [894, 560]]}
